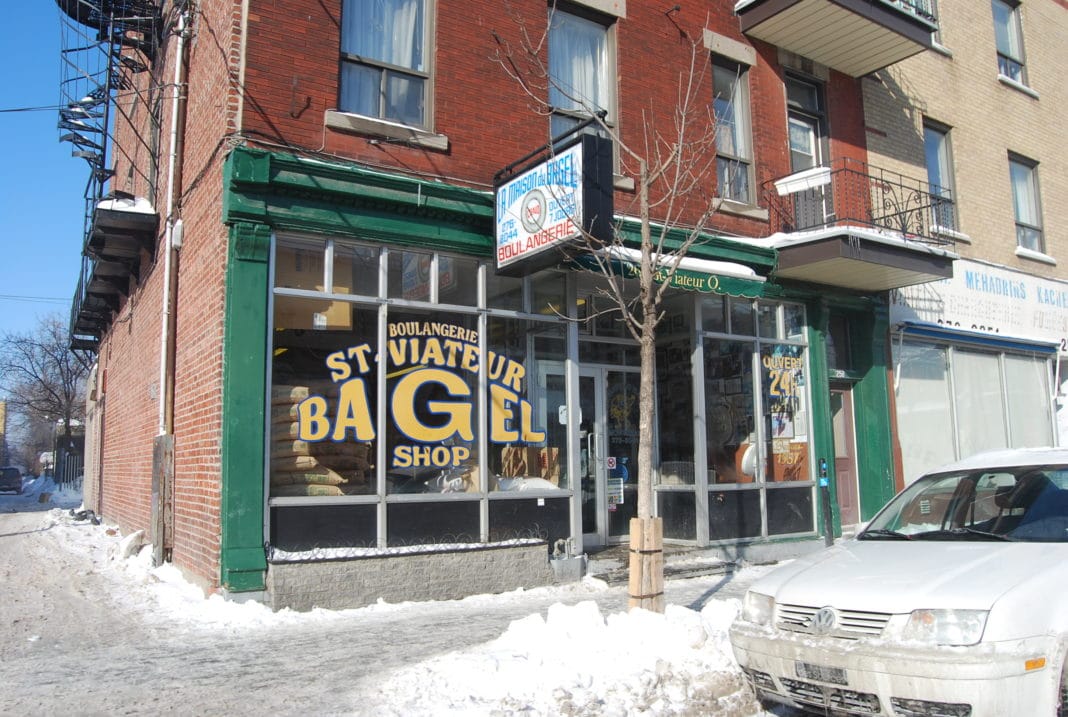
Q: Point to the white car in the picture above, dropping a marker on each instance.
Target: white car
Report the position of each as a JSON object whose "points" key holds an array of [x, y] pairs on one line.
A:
{"points": [[953, 602]]}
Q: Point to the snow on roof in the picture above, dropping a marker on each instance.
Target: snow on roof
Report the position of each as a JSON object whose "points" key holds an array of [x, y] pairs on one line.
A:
{"points": [[138, 205], [782, 240]]}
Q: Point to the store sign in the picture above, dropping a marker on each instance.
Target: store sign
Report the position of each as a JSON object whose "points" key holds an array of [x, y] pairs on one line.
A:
{"points": [[422, 355], [989, 299], [782, 380], [552, 204]]}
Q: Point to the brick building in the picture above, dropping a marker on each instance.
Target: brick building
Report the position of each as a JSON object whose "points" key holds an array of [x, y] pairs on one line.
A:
{"points": [[978, 119], [321, 378]]}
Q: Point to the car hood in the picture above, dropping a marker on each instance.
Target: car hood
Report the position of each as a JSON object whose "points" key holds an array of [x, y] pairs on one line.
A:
{"points": [[898, 577]]}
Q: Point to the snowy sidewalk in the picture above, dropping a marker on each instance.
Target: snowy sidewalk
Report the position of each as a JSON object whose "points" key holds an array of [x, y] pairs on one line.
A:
{"points": [[86, 630]]}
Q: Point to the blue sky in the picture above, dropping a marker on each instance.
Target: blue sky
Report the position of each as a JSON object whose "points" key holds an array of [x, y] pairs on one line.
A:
{"points": [[41, 185]]}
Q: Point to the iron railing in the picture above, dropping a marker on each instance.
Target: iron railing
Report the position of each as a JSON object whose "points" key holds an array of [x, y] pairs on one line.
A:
{"points": [[919, 8], [850, 192]]}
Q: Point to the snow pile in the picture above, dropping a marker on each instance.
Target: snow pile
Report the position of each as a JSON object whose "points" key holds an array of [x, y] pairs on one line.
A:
{"points": [[569, 660], [575, 661]]}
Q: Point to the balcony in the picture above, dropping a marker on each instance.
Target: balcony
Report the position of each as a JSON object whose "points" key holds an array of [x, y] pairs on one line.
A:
{"points": [[858, 227], [123, 232], [852, 36]]}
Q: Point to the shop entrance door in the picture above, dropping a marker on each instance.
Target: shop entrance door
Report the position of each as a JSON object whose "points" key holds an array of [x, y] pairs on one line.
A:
{"points": [[608, 398], [845, 454]]}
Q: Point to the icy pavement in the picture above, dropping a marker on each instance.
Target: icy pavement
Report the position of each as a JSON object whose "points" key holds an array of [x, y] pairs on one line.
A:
{"points": [[88, 630]]}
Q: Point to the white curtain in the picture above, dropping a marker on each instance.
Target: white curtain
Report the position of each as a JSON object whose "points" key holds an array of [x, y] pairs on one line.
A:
{"points": [[980, 402], [924, 420], [577, 63], [1024, 197], [390, 31], [1027, 379]]}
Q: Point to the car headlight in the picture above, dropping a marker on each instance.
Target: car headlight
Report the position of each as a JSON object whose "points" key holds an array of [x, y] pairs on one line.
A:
{"points": [[946, 627], [758, 608]]}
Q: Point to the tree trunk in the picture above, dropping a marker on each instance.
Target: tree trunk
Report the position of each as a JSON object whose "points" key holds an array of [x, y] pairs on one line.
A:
{"points": [[646, 532]]}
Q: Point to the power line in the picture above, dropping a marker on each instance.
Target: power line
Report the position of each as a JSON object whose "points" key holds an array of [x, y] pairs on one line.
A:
{"points": [[35, 299]]}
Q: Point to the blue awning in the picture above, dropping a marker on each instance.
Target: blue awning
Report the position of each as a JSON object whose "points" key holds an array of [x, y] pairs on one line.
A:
{"points": [[975, 338]]}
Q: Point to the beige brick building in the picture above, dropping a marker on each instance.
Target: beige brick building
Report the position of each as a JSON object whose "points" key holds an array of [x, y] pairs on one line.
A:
{"points": [[987, 116], [982, 120]]}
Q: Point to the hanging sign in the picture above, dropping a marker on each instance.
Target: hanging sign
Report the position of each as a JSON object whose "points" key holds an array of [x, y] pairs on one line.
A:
{"points": [[551, 204]]}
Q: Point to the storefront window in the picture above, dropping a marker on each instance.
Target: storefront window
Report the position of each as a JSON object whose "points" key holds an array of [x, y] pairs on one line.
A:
{"points": [[457, 281], [504, 292], [756, 422], [794, 322], [733, 514], [318, 455], [674, 388], [548, 294], [767, 321], [785, 418], [980, 402], [730, 431], [1027, 379], [355, 270], [431, 431], [713, 314], [409, 275], [742, 322], [527, 429]]}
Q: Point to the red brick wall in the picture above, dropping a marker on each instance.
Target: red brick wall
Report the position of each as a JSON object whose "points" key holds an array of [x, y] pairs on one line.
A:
{"points": [[292, 68], [290, 79], [130, 352]]}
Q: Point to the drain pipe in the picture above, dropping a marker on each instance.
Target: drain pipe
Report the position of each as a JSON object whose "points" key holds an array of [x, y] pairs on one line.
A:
{"points": [[163, 446]]}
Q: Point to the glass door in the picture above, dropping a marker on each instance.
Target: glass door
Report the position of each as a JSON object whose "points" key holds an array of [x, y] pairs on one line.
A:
{"points": [[609, 435]]}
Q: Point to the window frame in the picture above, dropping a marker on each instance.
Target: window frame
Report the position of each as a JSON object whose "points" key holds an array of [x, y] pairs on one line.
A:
{"points": [[388, 70], [742, 110], [1031, 167], [608, 23], [1010, 67], [946, 198]]}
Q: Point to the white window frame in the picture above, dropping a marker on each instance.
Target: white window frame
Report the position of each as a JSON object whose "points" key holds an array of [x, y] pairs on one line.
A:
{"points": [[742, 156]]}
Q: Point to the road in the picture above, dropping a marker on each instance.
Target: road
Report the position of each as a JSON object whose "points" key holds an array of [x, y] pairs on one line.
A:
{"points": [[78, 636]]}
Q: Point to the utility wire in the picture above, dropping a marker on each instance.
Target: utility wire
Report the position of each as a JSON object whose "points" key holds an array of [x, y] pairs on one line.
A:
{"points": [[34, 299]]}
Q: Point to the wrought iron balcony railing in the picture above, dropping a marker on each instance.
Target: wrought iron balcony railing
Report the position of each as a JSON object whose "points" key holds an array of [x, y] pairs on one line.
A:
{"points": [[850, 192]]}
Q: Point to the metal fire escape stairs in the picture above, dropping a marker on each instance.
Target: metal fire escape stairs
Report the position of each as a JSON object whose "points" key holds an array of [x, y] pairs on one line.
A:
{"points": [[104, 44]]}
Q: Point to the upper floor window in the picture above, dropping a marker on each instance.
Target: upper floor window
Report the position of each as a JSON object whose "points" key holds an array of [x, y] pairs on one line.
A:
{"points": [[940, 175], [384, 60], [734, 156], [1025, 201], [581, 70], [1009, 39]]}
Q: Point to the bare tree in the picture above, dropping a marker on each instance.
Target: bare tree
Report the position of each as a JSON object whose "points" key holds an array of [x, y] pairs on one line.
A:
{"points": [[671, 154], [44, 380]]}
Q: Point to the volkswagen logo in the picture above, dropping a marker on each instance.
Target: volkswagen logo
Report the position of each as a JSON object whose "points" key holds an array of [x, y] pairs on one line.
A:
{"points": [[823, 621]]}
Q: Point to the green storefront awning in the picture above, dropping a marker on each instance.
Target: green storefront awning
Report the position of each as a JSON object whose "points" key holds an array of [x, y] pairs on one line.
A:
{"points": [[702, 275]]}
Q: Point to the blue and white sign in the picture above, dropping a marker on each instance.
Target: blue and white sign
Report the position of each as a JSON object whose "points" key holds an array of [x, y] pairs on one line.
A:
{"points": [[989, 299], [540, 208]]}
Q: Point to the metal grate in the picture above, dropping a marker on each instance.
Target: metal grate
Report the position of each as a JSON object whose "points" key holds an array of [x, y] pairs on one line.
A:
{"points": [[829, 698], [849, 624]]}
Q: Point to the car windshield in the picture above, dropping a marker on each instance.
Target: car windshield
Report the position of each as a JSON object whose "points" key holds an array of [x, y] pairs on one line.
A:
{"points": [[1015, 504]]}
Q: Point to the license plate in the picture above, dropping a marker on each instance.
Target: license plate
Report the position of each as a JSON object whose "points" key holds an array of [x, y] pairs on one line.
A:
{"points": [[820, 673]]}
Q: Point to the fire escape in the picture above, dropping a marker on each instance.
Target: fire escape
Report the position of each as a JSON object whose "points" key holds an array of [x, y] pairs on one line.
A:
{"points": [[105, 45]]}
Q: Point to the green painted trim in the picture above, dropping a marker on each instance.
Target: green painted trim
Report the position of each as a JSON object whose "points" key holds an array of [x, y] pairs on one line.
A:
{"points": [[822, 427], [243, 561], [287, 192], [871, 410]]}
